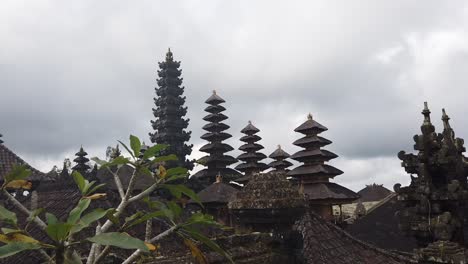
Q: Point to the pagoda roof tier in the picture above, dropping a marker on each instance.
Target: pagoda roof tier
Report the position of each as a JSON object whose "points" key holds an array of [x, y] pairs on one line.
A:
{"points": [[223, 160], [216, 147], [251, 156], [215, 127], [312, 141], [170, 72], [162, 136], [214, 99], [316, 170], [169, 82], [250, 129], [175, 112], [279, 153], [250, 138], [165, 123], [215, 136], [215, 117], [329, 192], [214, 109], [228, 174], [251, 147], [251, 166], [310, 127], [280, 164], [169, 100], [313, 155]]}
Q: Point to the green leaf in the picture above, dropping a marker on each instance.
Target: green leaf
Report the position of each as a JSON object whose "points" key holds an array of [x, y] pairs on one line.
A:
{"points": [[177, 171], [72, 257], [147, 217], [89, 218], [165, 158], [110, 215], [100, 162], [11, 249], [120, 160], [178, 190], [6, 215], [58, 231], [34, 214], [18, 172], [75, 214], [135, 144], [87, 186], [9, 230], [125, 146], [146, 171], [133, 217], [95, 188], [51, 219], [175, 208], [79, 180], [154, 150], [120, 240], [198, 236]]}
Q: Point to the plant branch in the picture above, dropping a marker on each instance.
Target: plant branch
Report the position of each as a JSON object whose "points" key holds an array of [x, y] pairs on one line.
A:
{"points": [[157, 238], [24, 210], [118, 182]]}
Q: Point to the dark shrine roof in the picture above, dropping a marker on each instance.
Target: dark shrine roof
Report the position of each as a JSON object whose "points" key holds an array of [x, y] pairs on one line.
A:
{"points": [[217, 192], [269, 190], [312, 140], [250, 129], [250, 138], [373, 193], [380, 226], [8, 158], [313, 154], [279, 153], [329, 191], [325, 243], [215, 109], [310, 126], [310, 171], [214, 99]]}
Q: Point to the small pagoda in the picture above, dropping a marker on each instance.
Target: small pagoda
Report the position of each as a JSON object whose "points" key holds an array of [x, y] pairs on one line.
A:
{"points": [[216, 161], [314, 175], [81, 161], [170, 125], [435, 200], [251, 156], [280, 164]]}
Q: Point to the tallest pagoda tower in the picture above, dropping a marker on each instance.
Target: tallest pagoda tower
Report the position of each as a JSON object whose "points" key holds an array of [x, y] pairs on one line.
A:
{"points": [[170, 125]]}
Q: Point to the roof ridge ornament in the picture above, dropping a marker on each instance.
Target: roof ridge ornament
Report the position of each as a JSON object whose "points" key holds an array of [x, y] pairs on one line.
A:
{"points": [[309, 117], [219, 178], [427, 114]]}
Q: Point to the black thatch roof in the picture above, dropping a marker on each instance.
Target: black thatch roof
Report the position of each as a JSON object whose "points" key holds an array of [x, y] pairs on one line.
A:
{"points": [[373, 193], [315, 170], [214, 99], [323, 191], [325, 243], [8, 158], [310, 127], [218, 192], [312, 141], [380, 227]]}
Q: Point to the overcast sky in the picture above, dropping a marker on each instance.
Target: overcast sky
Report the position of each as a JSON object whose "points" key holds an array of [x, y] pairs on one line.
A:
{"points": [[84, 72]]}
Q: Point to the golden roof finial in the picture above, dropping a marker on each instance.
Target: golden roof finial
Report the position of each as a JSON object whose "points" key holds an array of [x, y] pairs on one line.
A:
{"points": [[219, 178]]}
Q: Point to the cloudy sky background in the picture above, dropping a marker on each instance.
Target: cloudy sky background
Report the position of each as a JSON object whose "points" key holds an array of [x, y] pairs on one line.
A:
{"points": [[83, 72]]}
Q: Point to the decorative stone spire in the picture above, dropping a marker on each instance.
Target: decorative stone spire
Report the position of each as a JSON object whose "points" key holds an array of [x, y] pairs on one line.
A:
{"points": [[170, 125], [216, 161], [280, 163], [314, 175], [81, 162], [435, 200], [251, 156]]}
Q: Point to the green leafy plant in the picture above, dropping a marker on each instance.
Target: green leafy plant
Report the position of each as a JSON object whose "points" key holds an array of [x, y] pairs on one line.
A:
{"points": [[66, 234]]}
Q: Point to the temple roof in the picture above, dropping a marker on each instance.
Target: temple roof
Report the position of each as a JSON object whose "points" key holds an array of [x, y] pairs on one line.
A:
{"points": [[329, 191], [325, 243], [313, 154], [279, 153], [310, 127], [373, 192], [312, 140], [250, 129], [214, 99], [217, 192], [8, 158], [268, 190], [315, 170]]}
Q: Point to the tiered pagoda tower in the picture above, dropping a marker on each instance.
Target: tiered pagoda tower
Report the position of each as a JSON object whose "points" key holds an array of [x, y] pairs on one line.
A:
{"points": [[81, 162], [436, 199], [251, 156], [170, 125], [280, 163], [314, 175], [216, 161]]}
